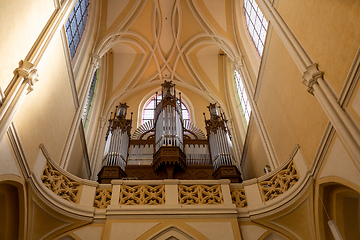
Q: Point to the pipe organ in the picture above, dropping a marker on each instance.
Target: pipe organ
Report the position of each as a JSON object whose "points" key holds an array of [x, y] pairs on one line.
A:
{"points": [[168, 119], [219, 138], [168, 146], [117, 138]]}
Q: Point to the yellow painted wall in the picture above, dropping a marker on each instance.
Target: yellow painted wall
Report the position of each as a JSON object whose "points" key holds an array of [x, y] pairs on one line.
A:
{"points": [[328, 31], [20, 32], [256, 158], [47, 112], [202, 228], [291, 115]]}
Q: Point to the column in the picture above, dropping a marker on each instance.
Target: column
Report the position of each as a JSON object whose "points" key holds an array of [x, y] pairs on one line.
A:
{"points": [[23, 82], [347, 130]]}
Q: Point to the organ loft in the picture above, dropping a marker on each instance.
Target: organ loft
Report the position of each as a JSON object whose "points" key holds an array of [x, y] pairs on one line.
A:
{"points": [[168, 147]]}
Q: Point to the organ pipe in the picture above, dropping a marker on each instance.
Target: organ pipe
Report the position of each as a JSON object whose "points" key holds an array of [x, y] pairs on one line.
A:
{"points": [[117, 138], [219, 137], [168, 119]]}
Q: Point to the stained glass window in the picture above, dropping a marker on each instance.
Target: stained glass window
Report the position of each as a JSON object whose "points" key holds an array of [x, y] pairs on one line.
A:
{"points": [[245, 105], [256, 24], [89, 99], [75, 25], [149, 109]]}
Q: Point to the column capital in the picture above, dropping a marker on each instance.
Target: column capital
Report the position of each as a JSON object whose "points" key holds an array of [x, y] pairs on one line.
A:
{"points": [[27, 71], [31, 79], [24, 69], [102, 121], [238, 63], [96, 60], [311, 76]]}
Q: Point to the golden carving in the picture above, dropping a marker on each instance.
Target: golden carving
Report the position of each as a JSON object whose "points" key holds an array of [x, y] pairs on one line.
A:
{"points": [[102, 198], [279, 183], [238, 197], [142, 195], [60, 184], [200, 194]]}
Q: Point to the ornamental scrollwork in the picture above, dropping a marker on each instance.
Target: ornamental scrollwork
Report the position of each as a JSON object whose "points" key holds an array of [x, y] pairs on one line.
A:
{"points": [[279, 183], [238, 197], [200, 194], [60, 184], [102, 198], [142, 195]]}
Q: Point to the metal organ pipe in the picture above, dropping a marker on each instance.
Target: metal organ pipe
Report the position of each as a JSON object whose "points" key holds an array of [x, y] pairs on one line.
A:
{"points": [[219, 138], [169, 120], [117, 142]]}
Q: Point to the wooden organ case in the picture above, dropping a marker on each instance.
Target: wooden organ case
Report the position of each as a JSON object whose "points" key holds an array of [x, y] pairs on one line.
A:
{"points": [[168, 147]]}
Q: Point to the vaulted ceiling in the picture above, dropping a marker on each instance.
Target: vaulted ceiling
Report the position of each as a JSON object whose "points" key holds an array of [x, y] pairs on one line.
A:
{"points": [[180, 40]]}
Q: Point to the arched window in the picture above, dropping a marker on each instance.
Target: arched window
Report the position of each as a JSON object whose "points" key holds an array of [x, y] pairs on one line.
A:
{"points": [[89, 99], [245, 105], [256, 24], [75, 25], [150, 105]]}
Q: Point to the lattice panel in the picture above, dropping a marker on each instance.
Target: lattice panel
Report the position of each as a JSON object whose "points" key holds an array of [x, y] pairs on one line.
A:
{"points": [[102, 198], [200, 194], [279, 183], [142, 195], [60, 184], [238, 197]]}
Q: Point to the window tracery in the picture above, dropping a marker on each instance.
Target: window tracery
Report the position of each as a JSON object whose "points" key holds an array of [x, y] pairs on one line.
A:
{"points": [[256, 24], [75, 25]]}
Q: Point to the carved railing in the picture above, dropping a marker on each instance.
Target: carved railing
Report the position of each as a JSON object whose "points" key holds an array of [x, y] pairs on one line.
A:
{"points": [[238, 197], [200, 194], [142, 195], [279, 183], [60, 184], [219, 194], [102, 198]]}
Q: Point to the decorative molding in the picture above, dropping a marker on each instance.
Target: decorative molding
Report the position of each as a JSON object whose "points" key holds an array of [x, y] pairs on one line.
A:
{"points": [[200, 194], [311, 76], [2, 96], [69, 67], [322, 149], [142, 195], [96, 60], [279, 183], [60, 184], [238, 197], [102, 198], [351, 81], [18, 150]]}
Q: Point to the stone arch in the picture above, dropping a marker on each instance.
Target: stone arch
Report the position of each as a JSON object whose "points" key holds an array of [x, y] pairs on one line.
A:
{"points": [[12, 210], [340, 203]]}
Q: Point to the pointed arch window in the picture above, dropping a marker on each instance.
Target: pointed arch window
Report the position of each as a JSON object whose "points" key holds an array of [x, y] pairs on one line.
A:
{"points": [[244, 101], [75, 25], [150, 106], [256, 24]]}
